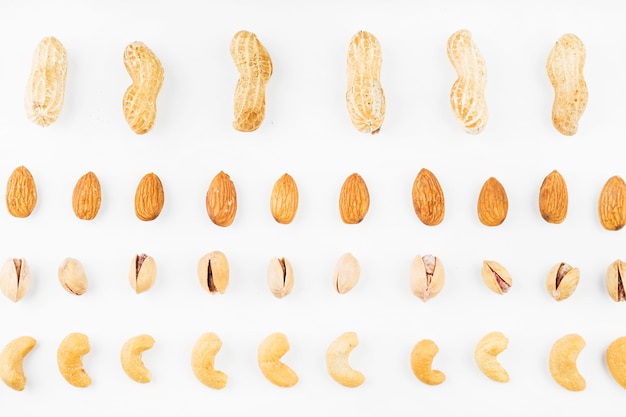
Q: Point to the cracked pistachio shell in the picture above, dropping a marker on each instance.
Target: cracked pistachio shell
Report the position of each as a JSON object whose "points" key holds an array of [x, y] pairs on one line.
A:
{"points": [[614, 280], [213, 272], [346, 274], [426, 277], [15, 278], [280, 277], [72, 276], [142, 273], [562, 281], [496, 277]]}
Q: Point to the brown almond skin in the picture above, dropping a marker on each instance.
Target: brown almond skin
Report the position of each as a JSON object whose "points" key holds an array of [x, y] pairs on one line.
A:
{"points": [[284, 199], [428, 199], [354, 199], [87, 197], [149, 197], [493, 203], [612, 204], [21, 193], [553, 198], [221, 200]]}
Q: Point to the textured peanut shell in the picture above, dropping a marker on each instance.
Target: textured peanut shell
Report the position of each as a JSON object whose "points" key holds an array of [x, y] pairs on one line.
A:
{"points": [[612, 204], [140, 99], [493, 203], [132, 359], [354, 200], [422, 357], [428, 199], [467, 96], [21, 193], [271, 350], [12, 362], [149, 197], [616, 360], [45, 89], [284, 199], [486, 352], [255, 69], [70, 359], [221, 200], [337, 356], [87, 197], [214, 272], [565, 70], [553, 198], [563, 356], [615, 280], [203, 361], [365, 98]]}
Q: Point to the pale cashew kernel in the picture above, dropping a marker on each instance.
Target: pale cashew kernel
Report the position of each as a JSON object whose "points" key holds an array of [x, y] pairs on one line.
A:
{"points": [[422, 357], [203, 361], [131, 358], [563, 362], [70, 359], [486, 352], [271, 350], [11, 361], [616, 360], [337, 361]]}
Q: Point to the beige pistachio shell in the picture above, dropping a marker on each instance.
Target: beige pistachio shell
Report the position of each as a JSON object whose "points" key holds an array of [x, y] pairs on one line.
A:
{"points": [[142, 273], [426, 277], [280, 277], [562, 280], [346, 274], [615, 281], [72, 276], [213, 272], [496, 277], [15, 278]]}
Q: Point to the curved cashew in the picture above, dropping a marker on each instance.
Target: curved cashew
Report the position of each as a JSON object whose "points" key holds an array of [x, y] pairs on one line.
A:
{"points": [[70, 359], [616, 360], [490, 346], [270, 351], [563, 362], [131, 358], [337, 361], [11, 361], [421, 363], [203, 359]]}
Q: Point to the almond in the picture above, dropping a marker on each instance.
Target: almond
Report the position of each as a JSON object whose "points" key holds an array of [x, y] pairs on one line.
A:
{"points": [[354, 200], [221, 200], [21, 193], [493, 203], [612, 204], [86, 197], [149, 197], [428, 200], [284, 199], [553, 198]]}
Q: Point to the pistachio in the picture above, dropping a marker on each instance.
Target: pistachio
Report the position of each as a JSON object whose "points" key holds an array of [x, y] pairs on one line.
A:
{"points": [[346, 273], [496, 277], [213, 272], [280, 277], [614, 280], [562, 281], [426, 276], [15, 278], [72, 276], [142, 273]]}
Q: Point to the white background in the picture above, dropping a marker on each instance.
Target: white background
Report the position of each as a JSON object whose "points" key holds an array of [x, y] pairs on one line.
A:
{"points": [[307, 133]]}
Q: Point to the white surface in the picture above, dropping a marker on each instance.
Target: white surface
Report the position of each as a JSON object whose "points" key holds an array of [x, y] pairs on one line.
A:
{"points": [[307, 133]]}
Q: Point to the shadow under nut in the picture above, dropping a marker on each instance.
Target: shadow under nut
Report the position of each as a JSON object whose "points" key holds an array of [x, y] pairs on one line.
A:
{"points": [[139, 101]]}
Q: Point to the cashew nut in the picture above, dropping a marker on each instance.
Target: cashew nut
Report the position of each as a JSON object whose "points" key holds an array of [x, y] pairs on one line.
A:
{"points": [[337, 361], [421, 363], [616, 360], [203, 359], [563, 362], [70, 359], [490, 346], [11, 361], [131, 358], [271, 350]]}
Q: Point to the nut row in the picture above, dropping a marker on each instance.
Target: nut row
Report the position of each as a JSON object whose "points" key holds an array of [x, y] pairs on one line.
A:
{"points": [[365, 98], [426, 276], [562, 360], [354, 199]]}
